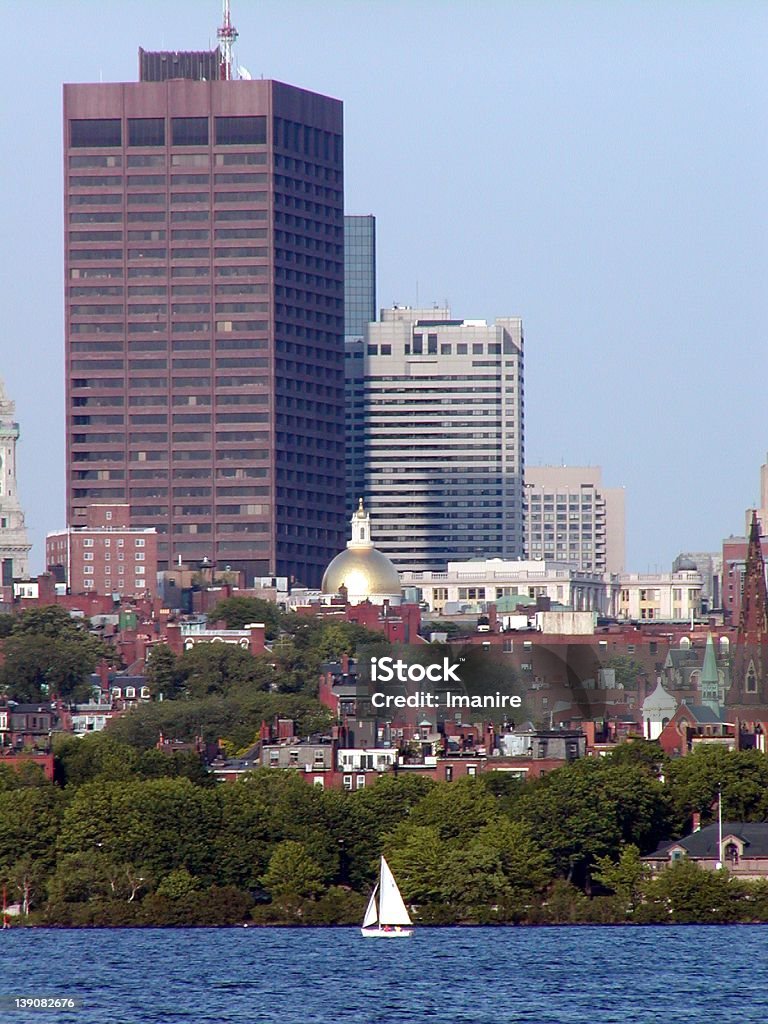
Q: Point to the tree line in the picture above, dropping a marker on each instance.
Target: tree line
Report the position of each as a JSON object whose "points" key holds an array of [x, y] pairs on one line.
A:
{"points": [[129, 836]]}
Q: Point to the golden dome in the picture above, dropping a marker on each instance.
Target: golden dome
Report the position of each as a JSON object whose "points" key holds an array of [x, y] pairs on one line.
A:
{"points": [[364, 572]]}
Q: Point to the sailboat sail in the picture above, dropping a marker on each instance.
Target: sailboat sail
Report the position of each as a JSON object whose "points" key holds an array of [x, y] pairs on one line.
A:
{"points": [[372, 913], [392, 910]]}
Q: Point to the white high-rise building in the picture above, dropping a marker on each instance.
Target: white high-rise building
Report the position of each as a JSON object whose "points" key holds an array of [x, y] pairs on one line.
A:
{"points": [[14, 545], [438, 444]]}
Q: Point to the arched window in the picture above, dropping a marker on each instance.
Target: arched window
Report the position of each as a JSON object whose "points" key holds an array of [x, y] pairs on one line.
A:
{"points": [[750, 684]]}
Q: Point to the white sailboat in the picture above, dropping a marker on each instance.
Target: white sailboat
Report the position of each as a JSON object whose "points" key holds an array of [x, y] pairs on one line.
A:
{"points": [[388, 916]]}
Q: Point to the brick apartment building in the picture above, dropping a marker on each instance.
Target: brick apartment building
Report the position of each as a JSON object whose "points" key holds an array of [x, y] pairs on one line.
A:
{"points": [[106, 555]]}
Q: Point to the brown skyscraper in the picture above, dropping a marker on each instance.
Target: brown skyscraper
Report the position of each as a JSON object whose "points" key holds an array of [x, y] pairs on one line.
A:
{"points": [[205, 313]]}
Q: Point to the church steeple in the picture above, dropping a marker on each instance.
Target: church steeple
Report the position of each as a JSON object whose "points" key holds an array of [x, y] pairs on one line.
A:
{"points": [[748, 695], [753, 625]]}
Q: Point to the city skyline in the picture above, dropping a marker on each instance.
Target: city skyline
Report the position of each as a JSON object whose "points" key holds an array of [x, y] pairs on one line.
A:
{"points": [[597, 177]]}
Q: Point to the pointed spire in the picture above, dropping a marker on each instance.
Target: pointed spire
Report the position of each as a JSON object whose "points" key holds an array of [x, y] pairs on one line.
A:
{"points": [[709, 681], [709, 668], [753, 625]]}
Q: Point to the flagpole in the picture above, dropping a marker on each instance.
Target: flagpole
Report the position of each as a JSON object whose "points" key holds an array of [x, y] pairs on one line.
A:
{"points": [[719, 825]]}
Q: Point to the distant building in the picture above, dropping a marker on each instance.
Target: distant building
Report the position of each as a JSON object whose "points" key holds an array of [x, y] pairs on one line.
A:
{"points": [[661, 596], [359, 274], [106, 556], [710, 565], [359, 311], [438, 436], [476, 584], [571, 517], [14, 544], [762, 510]]}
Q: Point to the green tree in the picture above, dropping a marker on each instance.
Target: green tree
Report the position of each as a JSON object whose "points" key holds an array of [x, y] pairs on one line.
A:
{"points": [[156, 825], [162, 672], [457, 810], [337, 638], [238, 612], [25, 880], [371, 814], [49, 620], [41, 665], [417, 854], [694, 780], [640, 753], [688, 894], [625, 877], [588, 809], [208, 669], [526, 867], [178, 884], [26, 774], [292, 873], [100, 755], [30, 819]]}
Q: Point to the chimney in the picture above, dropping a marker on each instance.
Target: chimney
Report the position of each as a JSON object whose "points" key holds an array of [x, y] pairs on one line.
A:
{"points": [[696, 821]]}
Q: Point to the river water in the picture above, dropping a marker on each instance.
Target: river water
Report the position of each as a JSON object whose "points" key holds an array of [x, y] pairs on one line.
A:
{"points": [[561, 975]]}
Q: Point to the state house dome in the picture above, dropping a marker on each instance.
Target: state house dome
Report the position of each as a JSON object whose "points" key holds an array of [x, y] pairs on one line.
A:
{"points": [[365, 573]]}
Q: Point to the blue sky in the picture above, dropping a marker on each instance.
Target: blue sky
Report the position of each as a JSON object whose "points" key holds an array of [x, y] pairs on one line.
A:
{"points": [[597, 168]]}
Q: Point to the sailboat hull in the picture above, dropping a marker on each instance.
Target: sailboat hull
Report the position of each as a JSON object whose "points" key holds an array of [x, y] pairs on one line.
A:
{"points": [[394, 932]]}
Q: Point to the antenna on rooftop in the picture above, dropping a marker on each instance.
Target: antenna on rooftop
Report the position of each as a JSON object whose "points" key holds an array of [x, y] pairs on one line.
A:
{"points": [[227, 34]]}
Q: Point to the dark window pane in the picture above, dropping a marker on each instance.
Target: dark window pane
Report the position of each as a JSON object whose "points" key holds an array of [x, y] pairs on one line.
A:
{"points": [[189, 131], [146, 131], [95, 132], [241, 131]]}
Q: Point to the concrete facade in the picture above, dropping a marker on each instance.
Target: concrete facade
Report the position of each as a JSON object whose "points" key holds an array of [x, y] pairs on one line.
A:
{"points": [[571, 516], [438, 404]]}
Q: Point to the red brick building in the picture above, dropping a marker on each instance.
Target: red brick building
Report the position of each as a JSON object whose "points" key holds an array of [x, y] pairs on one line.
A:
{"points": [[106, 556]]}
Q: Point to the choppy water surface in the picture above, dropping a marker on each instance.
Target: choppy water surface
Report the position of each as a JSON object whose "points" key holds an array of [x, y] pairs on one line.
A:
{"points": [[334, 976]]}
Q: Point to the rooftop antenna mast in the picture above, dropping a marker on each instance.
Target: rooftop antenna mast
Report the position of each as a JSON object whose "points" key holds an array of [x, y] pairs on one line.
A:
{"points": [[227, 34]]}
